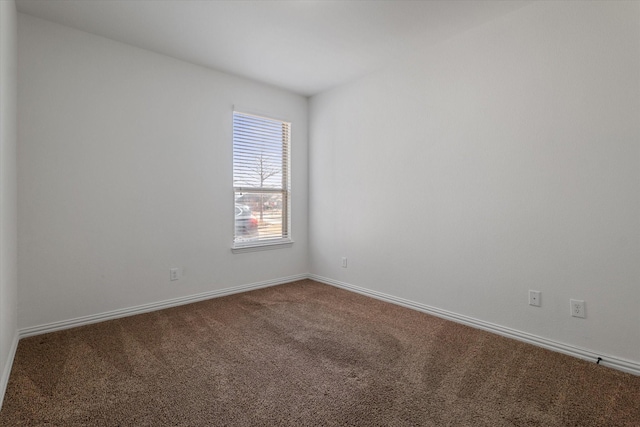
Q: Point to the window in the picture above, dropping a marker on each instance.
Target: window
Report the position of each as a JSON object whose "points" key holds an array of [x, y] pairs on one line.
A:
{"points": [[261, 181]]}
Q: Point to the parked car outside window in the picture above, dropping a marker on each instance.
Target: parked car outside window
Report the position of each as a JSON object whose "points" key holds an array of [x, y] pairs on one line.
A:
{"points": [[246, 223]]}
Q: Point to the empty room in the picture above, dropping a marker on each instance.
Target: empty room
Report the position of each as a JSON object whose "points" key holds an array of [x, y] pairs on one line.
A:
{"points": [[319, 213]]}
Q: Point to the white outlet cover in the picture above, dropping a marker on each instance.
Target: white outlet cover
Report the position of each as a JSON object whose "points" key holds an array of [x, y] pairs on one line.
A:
{"points": [[577, 308], [534, 298]]}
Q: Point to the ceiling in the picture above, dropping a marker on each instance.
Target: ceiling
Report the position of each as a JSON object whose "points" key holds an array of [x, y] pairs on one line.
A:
{"points": [[303, 46]]}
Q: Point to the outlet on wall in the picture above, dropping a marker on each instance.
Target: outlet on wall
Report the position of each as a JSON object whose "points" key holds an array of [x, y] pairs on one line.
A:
{"points": [[173, 273], [577, 308], [344, 262], [534, 298]]}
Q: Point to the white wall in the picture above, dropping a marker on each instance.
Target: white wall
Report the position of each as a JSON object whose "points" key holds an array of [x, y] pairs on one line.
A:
{"points": [[124, 171], [8, 228], [502, 160]]}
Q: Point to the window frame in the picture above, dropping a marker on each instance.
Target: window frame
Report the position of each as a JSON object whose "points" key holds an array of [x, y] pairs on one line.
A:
{"points": [[285, 239]]}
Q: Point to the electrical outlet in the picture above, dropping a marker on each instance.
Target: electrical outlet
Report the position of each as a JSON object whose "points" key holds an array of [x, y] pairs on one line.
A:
{"points": [[344, 262], [534, 298], [577, 308], [173, 273]]}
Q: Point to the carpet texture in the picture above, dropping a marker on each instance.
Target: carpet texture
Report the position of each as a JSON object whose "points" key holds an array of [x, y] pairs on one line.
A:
{"points": [[304, 354]]}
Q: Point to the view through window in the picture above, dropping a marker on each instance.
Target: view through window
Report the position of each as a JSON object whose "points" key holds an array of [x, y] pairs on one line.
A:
{"points": [[260, 180]]}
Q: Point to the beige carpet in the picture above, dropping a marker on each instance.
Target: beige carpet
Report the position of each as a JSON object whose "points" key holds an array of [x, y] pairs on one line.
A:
{"points": [[304, 354]]}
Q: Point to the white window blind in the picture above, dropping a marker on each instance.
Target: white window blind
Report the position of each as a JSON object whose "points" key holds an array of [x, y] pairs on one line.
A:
{"points": [[261, 180]]}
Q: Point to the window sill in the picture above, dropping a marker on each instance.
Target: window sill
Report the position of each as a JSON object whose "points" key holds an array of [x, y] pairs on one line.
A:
{"points": [[261, 246]]}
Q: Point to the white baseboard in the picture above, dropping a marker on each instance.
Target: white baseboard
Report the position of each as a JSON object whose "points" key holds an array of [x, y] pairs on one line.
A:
{"points": [[607, 360], [6, 372], [145, 308]]}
